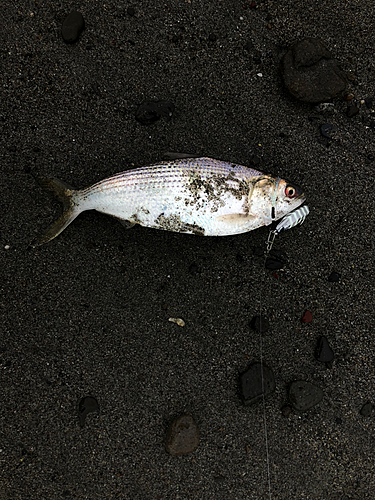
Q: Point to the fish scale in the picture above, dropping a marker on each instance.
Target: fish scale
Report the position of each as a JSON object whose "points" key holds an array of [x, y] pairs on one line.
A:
{"points": [[198, 196]]}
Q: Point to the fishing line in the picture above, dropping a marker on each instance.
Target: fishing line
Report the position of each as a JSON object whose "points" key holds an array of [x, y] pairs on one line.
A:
{"points": [[291, 220], [262, 376]]}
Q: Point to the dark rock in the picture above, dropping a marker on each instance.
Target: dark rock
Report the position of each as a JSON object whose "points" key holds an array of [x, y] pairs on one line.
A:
{"points": [[323, 351], [273, 264], [326, 129], [334, 277], [130, 11], [258, 251], [212, 37], [150, 112], [352, 110], [240, 258], [307, 317], [249, 46], [182, 436], [367, 409], [304, 395], [176, 38], [193, 268], [87, 405], [72, 27], [369, 101], [251, 383], [260, 324], [310, 74], [254, 160]]}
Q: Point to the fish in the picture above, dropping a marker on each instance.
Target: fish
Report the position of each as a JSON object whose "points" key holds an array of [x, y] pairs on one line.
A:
{"points": [[200, 196]]}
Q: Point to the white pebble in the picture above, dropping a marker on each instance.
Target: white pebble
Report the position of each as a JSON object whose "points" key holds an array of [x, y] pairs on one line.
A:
{"points": [[178, 321]]}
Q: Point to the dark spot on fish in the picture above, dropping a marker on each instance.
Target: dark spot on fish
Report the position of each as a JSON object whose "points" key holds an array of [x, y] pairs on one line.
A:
{"points": [[212, 189], [174, 223]]}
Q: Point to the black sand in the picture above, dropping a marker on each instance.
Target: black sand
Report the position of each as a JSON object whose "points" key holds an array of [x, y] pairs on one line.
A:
{"points": [[87, 314]]}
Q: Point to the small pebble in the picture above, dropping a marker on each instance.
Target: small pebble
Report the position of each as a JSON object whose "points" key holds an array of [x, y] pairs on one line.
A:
{"points": [[367, 409], [334, 277], [286, 410], [323, 351], [86, 405], [130, 11], [307, 317], [325, 107], [349, 97], [304, 395], [72, 27], [182, 436], [326, 130], [251, 386], [150, 112], [352, 111], [178, 321], [260, 324]]}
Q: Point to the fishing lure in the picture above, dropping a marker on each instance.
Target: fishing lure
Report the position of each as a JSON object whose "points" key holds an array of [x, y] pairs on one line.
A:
{"points": [[291, 220]]}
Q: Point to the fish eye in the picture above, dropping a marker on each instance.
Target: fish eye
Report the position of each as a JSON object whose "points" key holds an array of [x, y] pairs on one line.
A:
{"points": [[290, 192]]}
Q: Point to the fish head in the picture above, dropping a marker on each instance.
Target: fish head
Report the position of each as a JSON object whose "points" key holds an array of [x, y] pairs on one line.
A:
{"points": [[273, 198]]}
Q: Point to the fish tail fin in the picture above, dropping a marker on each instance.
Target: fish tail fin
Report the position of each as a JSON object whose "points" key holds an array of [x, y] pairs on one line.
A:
{"points": [[65, 195]]}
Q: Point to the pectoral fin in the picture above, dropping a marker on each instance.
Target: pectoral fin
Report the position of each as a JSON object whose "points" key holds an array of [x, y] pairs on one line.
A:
{"points": [[127, 224]]}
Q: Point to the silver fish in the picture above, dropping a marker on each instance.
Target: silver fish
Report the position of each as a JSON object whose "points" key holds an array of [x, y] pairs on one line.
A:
{"points": [[191, 195]]}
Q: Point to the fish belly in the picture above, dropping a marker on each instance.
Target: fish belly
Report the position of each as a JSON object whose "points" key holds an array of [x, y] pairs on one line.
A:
{"points": [[198, 196]]}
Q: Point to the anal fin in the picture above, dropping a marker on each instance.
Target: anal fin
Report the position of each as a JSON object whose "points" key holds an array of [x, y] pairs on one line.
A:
{"points": [[126, 223]]}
